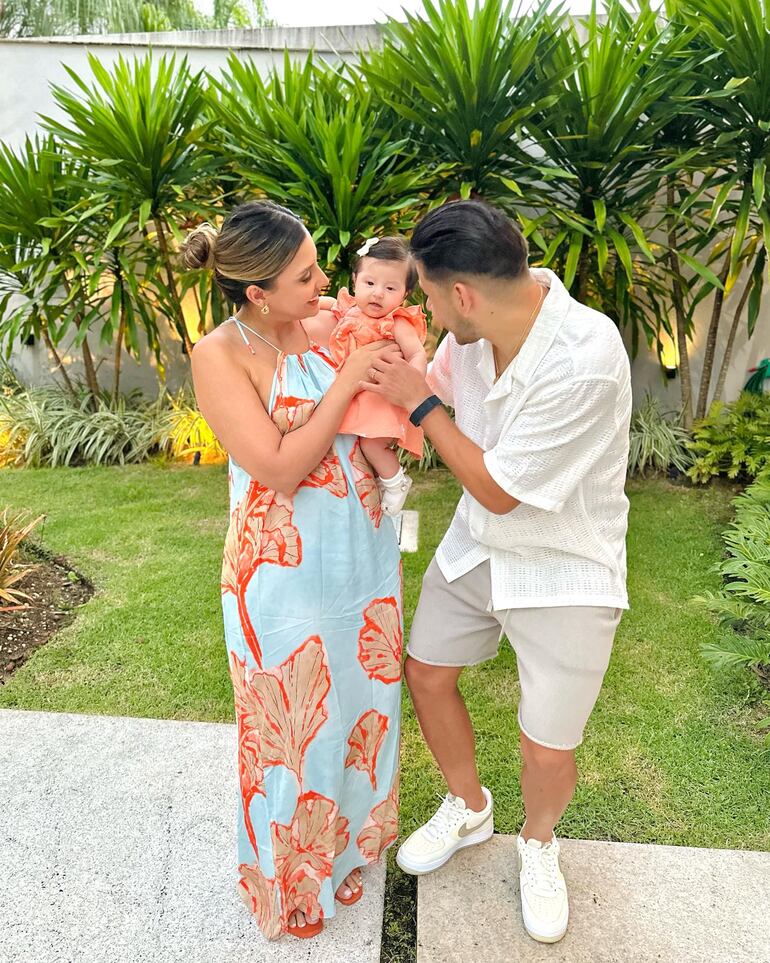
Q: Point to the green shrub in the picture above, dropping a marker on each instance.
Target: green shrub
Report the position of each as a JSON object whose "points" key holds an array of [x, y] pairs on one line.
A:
{"points": [[658, 441], [9, 383], [46, 427], [734, 439], [742, 605], [183, 433]]}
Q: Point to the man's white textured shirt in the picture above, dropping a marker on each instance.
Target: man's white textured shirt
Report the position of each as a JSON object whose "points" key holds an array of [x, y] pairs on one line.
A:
{"points": [[554, 429]]}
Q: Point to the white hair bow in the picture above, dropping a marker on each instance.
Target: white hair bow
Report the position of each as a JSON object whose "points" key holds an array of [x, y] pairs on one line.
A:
{"points": [[363, 251]]}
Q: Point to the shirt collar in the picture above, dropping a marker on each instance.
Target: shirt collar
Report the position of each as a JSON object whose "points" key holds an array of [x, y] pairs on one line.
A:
{"points": [[541, 336]]}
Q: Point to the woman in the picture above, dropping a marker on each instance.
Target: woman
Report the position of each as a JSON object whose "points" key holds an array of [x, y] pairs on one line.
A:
{"points": [[311, 588]]}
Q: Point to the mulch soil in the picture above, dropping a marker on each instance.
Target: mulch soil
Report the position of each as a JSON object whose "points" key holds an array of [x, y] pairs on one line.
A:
{"points": [[55, 592]]}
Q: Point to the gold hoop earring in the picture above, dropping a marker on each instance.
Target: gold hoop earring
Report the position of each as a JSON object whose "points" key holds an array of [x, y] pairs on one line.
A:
{"points": [[265, 309]]}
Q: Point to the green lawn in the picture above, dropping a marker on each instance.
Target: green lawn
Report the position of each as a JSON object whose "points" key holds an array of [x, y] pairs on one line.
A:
{"points": [[673, 752]]}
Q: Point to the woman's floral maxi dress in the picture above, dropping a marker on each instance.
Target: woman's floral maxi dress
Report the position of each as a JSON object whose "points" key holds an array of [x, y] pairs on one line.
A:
{"points": [[311, 594]]}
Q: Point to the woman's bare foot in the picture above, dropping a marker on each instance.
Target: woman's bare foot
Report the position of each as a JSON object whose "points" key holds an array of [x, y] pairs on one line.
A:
{"points": [[299, 920], [350, 885]]}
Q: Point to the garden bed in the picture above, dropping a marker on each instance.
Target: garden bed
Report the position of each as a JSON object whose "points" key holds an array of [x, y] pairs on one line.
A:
{"points": [[54, 592]]}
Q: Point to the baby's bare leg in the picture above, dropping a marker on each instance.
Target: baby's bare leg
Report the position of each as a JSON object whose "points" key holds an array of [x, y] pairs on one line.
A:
{"points": [[380, 456], [392, 482]]}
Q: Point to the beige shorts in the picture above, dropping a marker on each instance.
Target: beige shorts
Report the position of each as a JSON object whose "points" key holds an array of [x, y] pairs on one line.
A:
{"points": [[562, 652]]}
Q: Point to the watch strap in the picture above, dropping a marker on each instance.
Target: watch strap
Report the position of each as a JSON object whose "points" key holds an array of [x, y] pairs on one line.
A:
{"points": [[424, 409]]}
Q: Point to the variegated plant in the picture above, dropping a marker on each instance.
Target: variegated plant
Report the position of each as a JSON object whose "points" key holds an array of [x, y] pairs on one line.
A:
{"points": [[13, 530]]}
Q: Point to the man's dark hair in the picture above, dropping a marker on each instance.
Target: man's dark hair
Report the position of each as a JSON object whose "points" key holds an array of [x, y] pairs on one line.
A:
{"points": [[469, 237]]}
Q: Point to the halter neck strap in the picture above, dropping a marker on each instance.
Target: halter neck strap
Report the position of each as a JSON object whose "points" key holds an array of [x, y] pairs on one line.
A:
{"points": [[240, 326]]}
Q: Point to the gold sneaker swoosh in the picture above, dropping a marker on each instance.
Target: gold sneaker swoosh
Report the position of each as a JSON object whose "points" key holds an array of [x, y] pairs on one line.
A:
{"points": [[466, 830]]}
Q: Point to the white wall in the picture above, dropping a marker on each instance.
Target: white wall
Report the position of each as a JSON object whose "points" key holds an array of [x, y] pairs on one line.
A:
{"points": [[646, 372], [27, 67]]}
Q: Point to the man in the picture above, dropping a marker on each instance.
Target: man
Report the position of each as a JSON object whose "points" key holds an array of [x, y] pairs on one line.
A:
{"points": [[540, 385]]}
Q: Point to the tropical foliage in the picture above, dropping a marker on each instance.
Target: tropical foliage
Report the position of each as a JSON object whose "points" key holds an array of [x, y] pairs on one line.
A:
{"points": [[48, 18], [658, 440], [461, 87], [47, 427], [322, 144], [734, 440], [730, 101], [137, 128], [743, 604], [632, 148], [611, 77]]}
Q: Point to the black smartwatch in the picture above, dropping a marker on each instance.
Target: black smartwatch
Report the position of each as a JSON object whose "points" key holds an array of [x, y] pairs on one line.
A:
{"points": [[424, 409]]}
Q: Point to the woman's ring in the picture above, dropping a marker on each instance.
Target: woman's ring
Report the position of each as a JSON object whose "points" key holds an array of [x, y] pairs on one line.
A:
{"points": [[372, 373]]}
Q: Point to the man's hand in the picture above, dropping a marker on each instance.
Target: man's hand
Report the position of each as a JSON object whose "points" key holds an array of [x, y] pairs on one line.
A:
{"points": [[402, 385], [358, 363], [397, 381]]}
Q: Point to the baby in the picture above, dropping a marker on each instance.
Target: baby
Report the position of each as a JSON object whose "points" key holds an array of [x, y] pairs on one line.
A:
{"points": [[383, 276]]}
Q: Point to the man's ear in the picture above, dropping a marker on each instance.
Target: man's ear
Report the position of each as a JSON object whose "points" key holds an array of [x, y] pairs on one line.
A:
{"points": [[465, 298]]}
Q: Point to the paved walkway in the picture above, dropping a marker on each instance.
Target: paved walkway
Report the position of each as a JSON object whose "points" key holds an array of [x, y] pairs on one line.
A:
{"points": [[629, 904], [117, 845]]}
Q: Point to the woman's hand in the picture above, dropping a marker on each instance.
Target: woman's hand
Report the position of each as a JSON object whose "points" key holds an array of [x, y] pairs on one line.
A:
{"points": [[359, 364]]}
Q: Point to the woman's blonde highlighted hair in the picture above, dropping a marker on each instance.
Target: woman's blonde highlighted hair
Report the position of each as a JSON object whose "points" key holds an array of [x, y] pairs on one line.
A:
{"points": [[257, 241]]}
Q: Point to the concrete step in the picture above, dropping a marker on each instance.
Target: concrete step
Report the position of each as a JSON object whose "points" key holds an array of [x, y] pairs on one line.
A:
{"points": [[628, 904], [117, 845]]}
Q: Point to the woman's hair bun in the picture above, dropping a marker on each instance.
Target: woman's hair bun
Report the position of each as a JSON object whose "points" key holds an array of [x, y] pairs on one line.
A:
{"points": [[199, 248]]}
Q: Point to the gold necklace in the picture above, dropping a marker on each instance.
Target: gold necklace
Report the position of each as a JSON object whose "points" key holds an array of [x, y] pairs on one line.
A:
{"points": [[529, 324]]}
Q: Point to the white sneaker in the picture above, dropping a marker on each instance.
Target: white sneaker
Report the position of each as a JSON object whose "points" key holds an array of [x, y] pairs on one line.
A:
{"points": [[544, 903], [393, 492], [453, 826]]}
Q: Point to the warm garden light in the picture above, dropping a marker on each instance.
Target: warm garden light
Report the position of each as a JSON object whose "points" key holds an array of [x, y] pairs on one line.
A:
{"points": [[105, 286], [668, 354], [191, 312]]}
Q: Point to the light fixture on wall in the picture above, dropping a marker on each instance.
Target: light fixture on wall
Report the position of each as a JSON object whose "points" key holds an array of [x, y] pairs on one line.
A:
{"points": [[668, 353]]}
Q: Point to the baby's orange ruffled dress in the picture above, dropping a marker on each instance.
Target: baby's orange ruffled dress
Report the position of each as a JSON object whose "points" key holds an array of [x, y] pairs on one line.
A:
{"points": [[370, 415]]}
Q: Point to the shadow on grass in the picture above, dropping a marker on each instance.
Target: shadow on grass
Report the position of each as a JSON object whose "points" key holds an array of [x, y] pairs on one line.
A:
{"points": [[399, 924]]}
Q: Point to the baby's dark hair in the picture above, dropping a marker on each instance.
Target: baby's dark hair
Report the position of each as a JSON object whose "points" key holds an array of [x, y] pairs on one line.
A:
{"points": [[391, 249]]}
